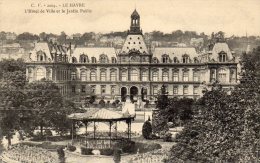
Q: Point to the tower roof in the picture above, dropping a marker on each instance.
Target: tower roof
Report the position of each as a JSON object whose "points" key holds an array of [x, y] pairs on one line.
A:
{"points": [[135, 14]]}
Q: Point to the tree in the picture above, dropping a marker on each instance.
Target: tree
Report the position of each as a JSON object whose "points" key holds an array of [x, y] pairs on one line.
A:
{"points": [[226, 126], [27, 36], [12, 82]]}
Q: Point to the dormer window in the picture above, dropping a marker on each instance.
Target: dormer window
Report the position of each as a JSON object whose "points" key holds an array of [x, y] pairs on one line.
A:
{"points": [[185, 58], [165, 58], [103, 58], [93, 60], [196, 60], [83, 58], [222, 57], [155, 60], [74, 60], [113, 60], [175, 60]]}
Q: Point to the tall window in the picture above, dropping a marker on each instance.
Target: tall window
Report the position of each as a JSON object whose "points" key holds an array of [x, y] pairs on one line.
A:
{"points": [[155, 76], [175, 90], [83, 75], [73, 89], [113, 75], [103, 75], [83, 89], [222, 56], [134, 75], [30, 74], [232, 75], [145, 75], [124, 75], [185, 58], [103, 89], [113, 60], [196, 60], [155, 90], [185, 75], [195, 76], [165, 76], [155, 60], [176, 75], [93, 76], [93, 88], [212, 75], [73, 75], [222, 75], [185, 90], [113, 90], [40, 74], [195, 90], [48, 74]]}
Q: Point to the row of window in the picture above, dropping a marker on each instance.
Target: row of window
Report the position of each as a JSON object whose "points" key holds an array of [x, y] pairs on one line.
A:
{"points": [[83, 89], [84, 59], [222, 75], [134, 76], [167, 59], [177, 91]]}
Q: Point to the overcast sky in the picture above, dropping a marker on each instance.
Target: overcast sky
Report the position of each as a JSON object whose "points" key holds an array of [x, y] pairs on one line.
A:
{"points": [[231, 16]]}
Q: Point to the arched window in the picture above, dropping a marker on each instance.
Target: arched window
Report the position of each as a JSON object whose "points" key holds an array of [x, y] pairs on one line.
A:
{"points": [[73, 75], [74, 60], [176, 75], [83, 75], [124, 75], [41, 56], [195, 75], [93, 60], [145, 75], [222, 57], [185, 75], [165, 75], [93, 76], [185, 58], [165, 58], [48, 74], [103, 75], [40, 74], [155, 75], [175, 60], [134, 75], [222, 75], [113, 75]]}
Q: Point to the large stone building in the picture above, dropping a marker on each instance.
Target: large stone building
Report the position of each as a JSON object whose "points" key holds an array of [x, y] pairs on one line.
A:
{"points": [[135, 71]]}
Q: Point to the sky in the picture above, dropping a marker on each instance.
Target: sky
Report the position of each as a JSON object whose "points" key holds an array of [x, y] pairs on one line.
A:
{"points": [[234, 17]]}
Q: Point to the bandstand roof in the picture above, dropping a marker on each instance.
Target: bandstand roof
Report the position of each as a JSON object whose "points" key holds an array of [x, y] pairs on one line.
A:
{"points": [[100, 115]]}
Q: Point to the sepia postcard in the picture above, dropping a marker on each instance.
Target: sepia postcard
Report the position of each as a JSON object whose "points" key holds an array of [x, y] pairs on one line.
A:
{"points": [[129, 81]]}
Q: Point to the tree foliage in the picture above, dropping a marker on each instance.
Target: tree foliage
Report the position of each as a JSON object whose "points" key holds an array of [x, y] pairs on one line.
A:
{"points": [[147, 130], [226, 126]]}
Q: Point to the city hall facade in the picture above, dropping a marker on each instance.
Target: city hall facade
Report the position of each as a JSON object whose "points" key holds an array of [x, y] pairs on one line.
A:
{"points": [[135, 71]]}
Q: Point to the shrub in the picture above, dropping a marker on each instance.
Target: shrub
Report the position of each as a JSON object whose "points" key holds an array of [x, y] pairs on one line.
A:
{"points": [[126, 146], [167, 137], [147, 130], [145, 147], [71, 148], [107, 152], [47, 132], [86, 151]]}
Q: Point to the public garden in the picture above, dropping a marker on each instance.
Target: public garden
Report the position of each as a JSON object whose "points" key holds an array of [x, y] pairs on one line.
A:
{"points": [[39, 125]]}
